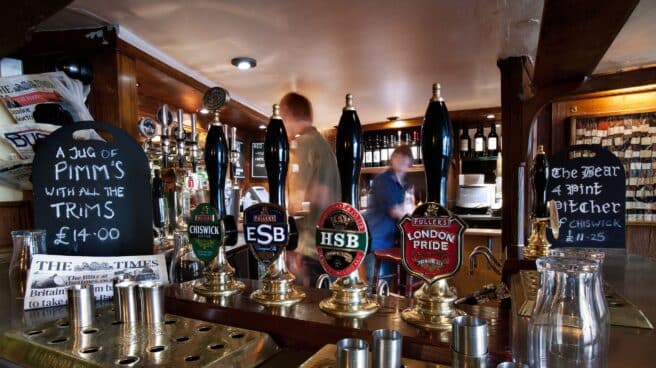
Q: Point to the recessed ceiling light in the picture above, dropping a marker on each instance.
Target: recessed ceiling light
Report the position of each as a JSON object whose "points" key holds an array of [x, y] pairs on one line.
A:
{"points": [[203, 111], [262, 126], [490, 116], [243, 62], [392, 118]]}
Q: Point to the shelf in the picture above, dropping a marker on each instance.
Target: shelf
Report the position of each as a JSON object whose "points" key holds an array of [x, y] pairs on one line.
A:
{"points": [[484, 158], [380, 169]]}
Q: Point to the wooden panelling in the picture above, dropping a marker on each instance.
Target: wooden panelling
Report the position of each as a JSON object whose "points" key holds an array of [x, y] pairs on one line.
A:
{"points": [[14, 216], [574, 36], [641, 239]]}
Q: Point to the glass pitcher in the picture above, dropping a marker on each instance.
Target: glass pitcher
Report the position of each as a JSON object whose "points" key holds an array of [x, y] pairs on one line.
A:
{"points": [[594, 254], [26, 244], [566, 329], [185, 266]]}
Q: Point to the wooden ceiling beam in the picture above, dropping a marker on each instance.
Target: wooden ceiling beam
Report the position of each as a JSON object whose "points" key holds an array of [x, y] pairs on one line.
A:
{"points": [[574, 36]]}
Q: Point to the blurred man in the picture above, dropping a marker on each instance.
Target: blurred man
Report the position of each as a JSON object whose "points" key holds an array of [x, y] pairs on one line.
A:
{"points": [[313, 183], [387, 206]]}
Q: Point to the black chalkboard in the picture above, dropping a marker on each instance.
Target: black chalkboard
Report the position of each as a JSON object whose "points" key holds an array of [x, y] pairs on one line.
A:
{"points": [[92, 197], [258, 168], [239, 167], [590, 194]]}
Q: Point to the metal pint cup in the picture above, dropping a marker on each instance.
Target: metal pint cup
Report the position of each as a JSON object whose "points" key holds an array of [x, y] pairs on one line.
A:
{"points": [[387, 348], [81, 305], [151, 296], [352, 353]]}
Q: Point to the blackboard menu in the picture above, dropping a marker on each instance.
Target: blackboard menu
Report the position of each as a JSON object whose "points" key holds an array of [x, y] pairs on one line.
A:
{"points": [[258, 168], [239, 167], [93, 197], [589, 194]]}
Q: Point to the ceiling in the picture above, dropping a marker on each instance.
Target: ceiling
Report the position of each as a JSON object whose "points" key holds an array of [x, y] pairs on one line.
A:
{"points": [[386, 52]]}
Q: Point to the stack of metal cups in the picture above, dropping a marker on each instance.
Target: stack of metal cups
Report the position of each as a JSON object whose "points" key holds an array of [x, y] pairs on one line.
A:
{"points": [[469, 342]]}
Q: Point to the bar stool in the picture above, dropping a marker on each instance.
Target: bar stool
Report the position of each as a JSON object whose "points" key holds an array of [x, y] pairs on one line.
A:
{"points": [[394, 255]]}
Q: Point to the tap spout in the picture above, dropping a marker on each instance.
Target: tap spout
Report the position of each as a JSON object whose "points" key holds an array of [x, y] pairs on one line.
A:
{"points": [[492, 262]]}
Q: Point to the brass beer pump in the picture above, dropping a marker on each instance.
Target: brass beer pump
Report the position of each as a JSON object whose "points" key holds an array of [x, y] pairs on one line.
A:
{"points": [[544, 212], [218, 273], [434, 302], [277, 283], [349, 297]]}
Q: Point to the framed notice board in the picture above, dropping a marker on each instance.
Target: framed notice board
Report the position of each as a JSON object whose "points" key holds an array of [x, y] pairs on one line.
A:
{"points": [[258, 168], [632, 139]]}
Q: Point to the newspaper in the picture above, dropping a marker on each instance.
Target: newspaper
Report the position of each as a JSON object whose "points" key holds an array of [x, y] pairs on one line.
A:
{"points": [[19, 130], [51, 275]]}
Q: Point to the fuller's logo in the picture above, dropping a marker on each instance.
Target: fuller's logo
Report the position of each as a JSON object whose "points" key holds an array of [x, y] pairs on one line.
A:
{"points": [[206, 232], [432, 241], [266, 230], [342, 239]]}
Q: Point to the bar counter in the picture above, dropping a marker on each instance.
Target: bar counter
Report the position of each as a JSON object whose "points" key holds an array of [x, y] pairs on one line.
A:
{"points": [[303, 329]]}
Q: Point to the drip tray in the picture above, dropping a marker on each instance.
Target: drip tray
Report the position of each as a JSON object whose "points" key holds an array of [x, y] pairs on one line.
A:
{"points": [[179, 342], [325, 358], [622, 312]]}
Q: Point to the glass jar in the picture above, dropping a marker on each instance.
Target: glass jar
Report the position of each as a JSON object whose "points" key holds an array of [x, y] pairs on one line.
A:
{"points": [[566, 329], [185, 266], [594, 254]]}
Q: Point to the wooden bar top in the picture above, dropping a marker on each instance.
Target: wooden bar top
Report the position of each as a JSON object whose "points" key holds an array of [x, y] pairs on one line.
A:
{"points": [[305, 327]]}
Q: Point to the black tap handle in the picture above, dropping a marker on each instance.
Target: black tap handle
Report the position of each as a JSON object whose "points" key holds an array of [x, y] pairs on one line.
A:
{"points": [[216, 161], [540, 180], [276, 158], [436, 147], [348, 149]]}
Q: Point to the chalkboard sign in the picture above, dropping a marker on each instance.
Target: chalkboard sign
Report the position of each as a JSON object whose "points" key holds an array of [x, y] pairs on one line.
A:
{"points": [[239, 167], [258, 168], [92, 197], [590, 197]]}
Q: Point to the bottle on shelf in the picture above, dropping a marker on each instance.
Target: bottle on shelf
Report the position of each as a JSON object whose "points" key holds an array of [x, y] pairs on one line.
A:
{"points": [[375, 151], [493, 142], [414, 147], [367, 152], [384, 152], [465, 144], [160, 208], [390, 147], [364, 197], [417, 141], [479, 142]]}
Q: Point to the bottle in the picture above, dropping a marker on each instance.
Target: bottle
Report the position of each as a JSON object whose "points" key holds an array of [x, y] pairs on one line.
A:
{"points": [[417, 143], [436, 144], [465, 144], [368, 158], [375, 153], [349, 152], [185, 266], [391, 146], [540, 179], [364, 197], [160, 209], [479, 142], [493, 142], [414, 147], [384, 152]]}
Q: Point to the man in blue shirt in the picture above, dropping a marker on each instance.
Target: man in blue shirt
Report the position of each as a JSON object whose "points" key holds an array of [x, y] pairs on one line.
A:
{"points": [[386, 205]]}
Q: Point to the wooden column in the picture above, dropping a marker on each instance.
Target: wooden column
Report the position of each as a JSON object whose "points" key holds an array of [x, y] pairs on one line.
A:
{"points": [[515, 78]]}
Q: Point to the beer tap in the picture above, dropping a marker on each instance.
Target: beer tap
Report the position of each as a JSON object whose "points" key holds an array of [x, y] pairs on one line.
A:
{"points": [[165, 118], [181, 139], [349, 294], [218, 273], [194, 144]]}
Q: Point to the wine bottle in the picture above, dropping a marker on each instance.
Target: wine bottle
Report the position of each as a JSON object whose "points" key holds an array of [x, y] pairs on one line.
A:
{"points": [[391, 145], [375, 154], [436, 147], [479, 142], [540, 179], [493, 142], [465, 144], [367, 152], [416, 150], [384, 152], [349, 152]]}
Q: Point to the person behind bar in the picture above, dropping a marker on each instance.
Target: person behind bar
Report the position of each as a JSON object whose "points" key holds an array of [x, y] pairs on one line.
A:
{"points": [[387, 207], [313, 183]]}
